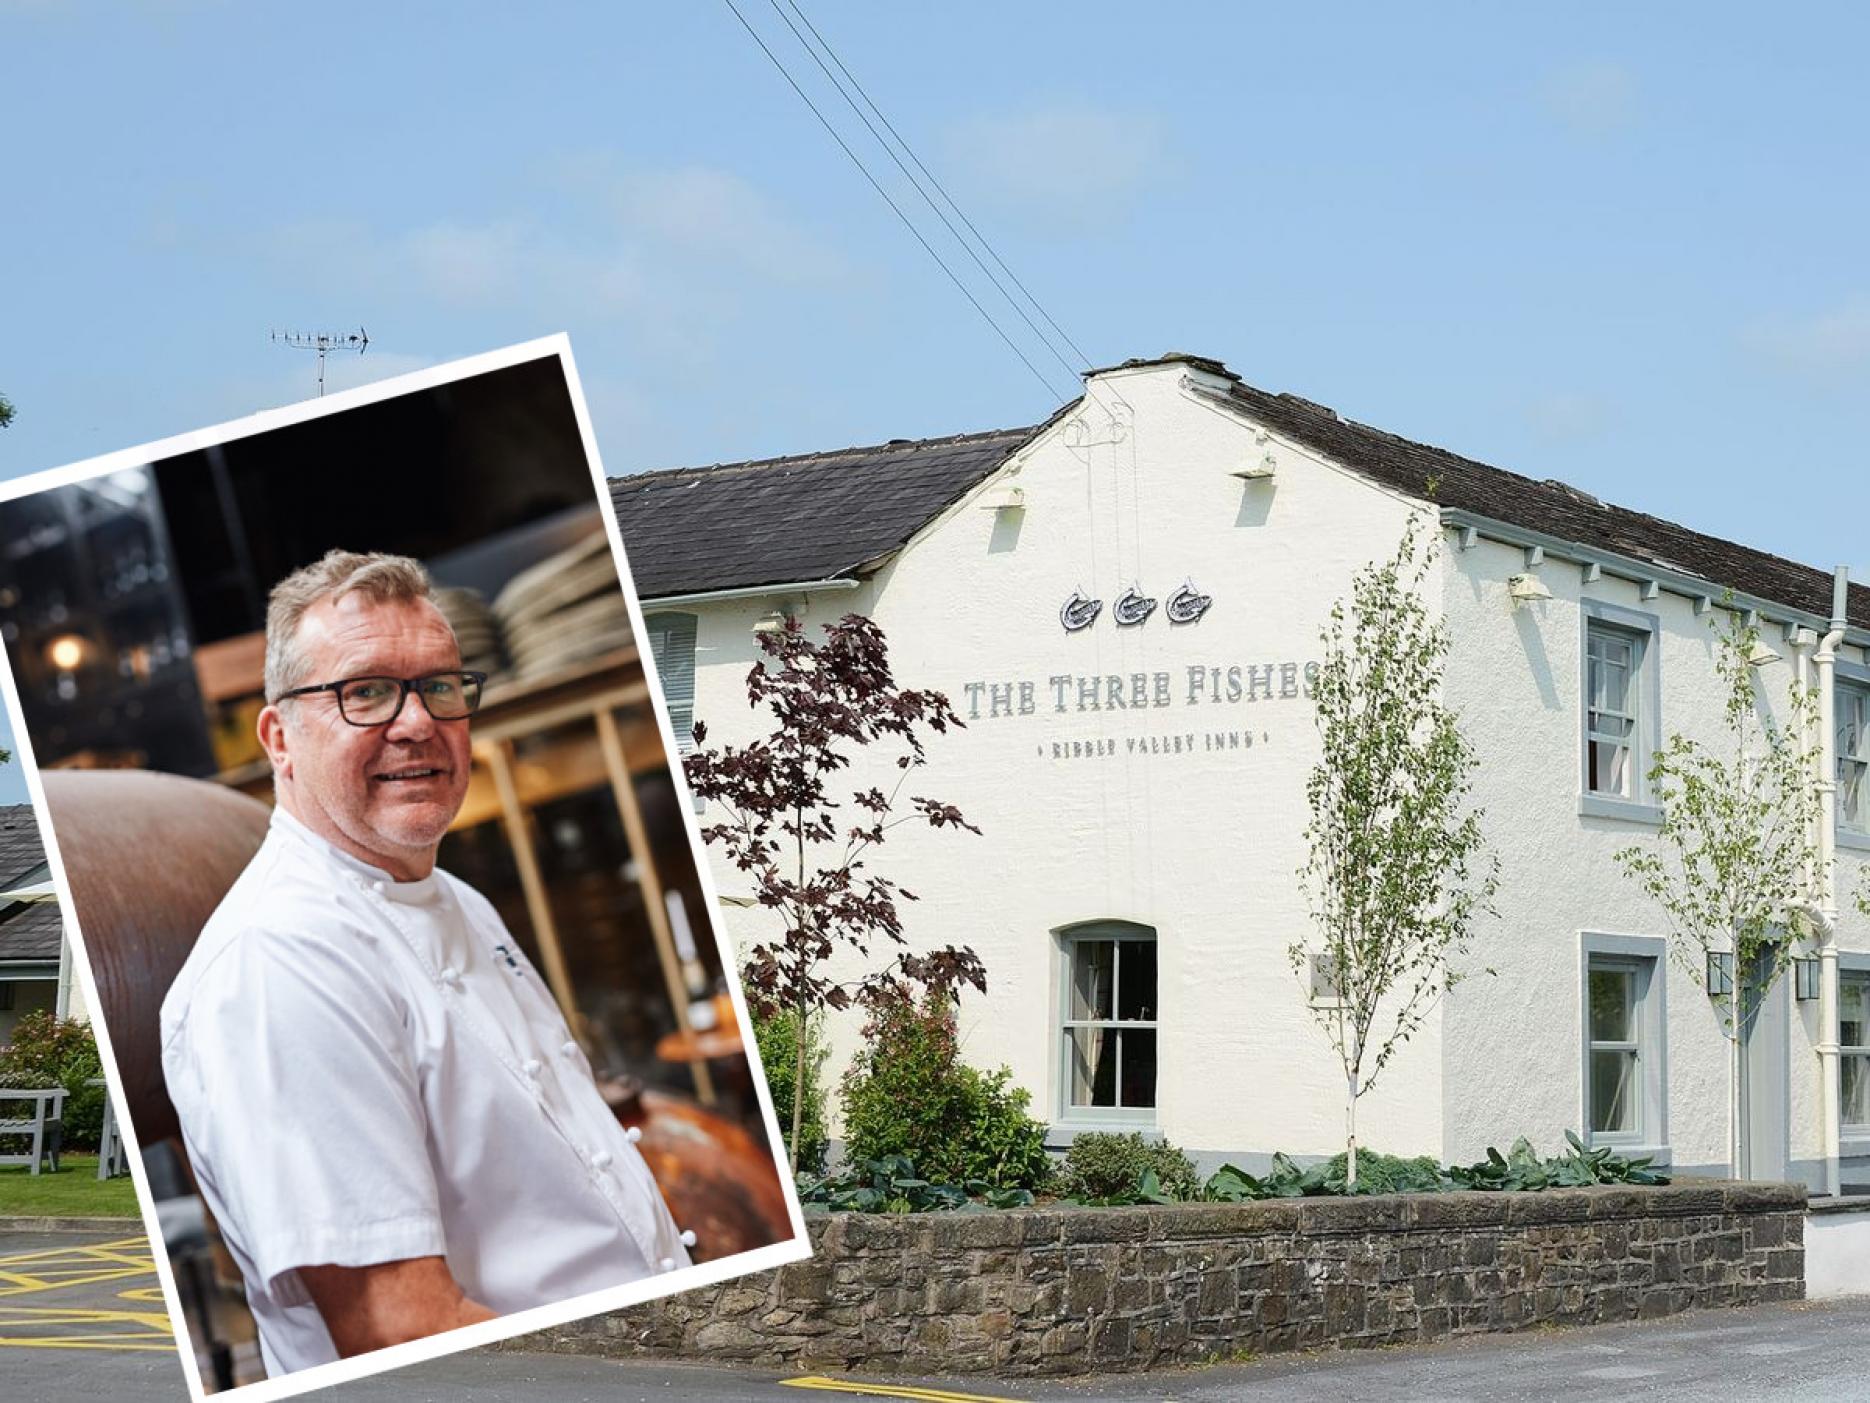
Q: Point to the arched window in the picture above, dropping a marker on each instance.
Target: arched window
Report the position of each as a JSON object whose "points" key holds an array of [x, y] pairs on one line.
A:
{"points": [[1108, 1041], [672, 645]]}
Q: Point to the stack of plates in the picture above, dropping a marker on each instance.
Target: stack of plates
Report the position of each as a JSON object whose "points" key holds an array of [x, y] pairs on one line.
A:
{"points": [[477, 630], [564, 610]]}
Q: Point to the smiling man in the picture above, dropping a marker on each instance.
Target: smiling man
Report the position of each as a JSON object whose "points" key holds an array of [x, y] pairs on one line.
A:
{"points": [[392, 1125]]}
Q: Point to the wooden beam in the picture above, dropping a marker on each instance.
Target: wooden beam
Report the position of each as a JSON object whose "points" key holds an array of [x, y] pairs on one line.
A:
{"points": [[499, 758], [651, 883]]}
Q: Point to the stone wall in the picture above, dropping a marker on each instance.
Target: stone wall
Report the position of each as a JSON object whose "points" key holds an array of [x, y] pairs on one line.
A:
{"points": [[1074, 1290]]}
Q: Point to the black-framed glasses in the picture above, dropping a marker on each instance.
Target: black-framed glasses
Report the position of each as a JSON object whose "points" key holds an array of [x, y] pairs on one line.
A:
{"points": [[377, 701]]}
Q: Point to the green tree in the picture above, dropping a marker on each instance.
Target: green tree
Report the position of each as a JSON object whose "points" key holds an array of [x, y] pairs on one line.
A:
{"points": [[777, 1035], [6, 411], [1398, 869], [1737, 851]]}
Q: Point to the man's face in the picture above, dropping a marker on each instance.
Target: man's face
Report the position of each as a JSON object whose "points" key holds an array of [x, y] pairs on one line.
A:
{"points": [[383, 793]]}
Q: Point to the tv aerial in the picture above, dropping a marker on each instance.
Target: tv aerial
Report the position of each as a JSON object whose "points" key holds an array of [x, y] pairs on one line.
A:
{"points": [[323, 342]]}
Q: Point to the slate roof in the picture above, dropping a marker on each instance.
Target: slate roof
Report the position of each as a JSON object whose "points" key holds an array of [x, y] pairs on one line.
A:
{"points": [[817, 516], [1550, 507], [779, 520], [29, 930]]}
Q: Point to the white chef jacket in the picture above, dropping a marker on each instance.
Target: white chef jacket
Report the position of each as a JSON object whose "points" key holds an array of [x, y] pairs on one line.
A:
{"points": [[368, 1070]]}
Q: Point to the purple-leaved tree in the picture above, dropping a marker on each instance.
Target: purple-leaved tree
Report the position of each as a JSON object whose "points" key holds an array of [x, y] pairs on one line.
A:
{"points": [[808, 861]]}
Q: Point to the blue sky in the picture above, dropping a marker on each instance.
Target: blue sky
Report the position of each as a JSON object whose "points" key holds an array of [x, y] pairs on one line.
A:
{"points": [[1620, 246]]}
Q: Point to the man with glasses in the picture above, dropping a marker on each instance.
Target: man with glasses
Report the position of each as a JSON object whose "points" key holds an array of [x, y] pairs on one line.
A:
{"points": [[392, 1125]]}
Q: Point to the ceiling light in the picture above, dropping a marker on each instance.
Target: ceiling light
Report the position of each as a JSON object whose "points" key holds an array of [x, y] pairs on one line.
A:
{"points": [[66, 651]]}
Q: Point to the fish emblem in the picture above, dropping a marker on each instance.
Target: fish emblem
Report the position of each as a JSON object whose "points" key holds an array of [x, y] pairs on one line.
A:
{"points": [[1132, 607], [1079, 612], [1187, 604]]}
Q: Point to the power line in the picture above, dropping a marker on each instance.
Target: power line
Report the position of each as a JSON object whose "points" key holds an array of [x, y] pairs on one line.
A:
{"points": [[908, 175], [940, 189], [896, 209]]}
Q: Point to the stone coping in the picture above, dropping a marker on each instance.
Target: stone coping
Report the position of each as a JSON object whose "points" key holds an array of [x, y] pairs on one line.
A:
{"points": [[1323, 1216], [69, 1224]]}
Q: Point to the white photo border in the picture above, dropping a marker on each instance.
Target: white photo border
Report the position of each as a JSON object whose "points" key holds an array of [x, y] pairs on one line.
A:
{"points": [[798, 1248]]}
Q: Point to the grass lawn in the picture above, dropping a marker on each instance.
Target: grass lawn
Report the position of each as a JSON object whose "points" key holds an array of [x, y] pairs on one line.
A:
{"points": [[74, 1192]]}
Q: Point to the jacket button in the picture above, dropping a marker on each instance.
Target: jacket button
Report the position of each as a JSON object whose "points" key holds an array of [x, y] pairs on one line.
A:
{"points": [[568, 1048], [688, 1237], [667, 1264], [632, 1134], [601, 1160], [532, 1066], [451, 975]]}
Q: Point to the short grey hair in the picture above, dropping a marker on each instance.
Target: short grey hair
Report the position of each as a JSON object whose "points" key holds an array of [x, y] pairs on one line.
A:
{"points": [[384, 579]]}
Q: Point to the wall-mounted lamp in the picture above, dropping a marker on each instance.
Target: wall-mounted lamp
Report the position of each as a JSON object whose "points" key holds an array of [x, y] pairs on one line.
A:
{"points": [[1720, 974], [1527, 589], [773, 621], [1805, 980], [1004, 499], [1760, 654], [1266, 467]]}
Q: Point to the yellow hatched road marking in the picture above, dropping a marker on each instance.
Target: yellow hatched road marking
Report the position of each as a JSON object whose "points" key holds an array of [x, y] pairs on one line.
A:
{"points": [[881, 1389], [28, 1315], [105, 1342], [32, 1287], [42, 1254], [53, 1269], [123, 1257]]}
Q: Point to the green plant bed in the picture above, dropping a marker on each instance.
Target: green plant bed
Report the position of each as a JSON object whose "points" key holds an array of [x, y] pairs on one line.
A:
{"points": [[74, 1192], [891, 1184]]}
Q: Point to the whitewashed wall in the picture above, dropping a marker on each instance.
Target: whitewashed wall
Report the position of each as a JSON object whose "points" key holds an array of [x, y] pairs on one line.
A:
{"points": [[1513, 1041], [1202, 845]]}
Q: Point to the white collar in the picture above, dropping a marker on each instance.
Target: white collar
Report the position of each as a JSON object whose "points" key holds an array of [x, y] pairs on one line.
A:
{"points": [[417, 893]]}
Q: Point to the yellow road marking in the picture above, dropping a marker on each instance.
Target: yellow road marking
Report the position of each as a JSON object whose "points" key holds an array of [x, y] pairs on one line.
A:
{"points": [[881, 1389], [109, 1342], [45, 1253], [32, 1287], [23, 1315], [59, 1268]]}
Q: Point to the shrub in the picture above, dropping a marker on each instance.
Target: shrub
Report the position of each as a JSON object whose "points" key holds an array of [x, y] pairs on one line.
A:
{"points": [[50, 1051], [908, 1094], [1103, 1165], [777, 1039]]}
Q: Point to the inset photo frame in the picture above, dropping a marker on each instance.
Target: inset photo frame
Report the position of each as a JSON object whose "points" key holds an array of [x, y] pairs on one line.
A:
{"points": [[391, 908]]}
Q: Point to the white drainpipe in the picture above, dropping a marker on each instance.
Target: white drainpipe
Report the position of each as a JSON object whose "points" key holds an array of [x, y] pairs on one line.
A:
{"points": [[1826, 658]]}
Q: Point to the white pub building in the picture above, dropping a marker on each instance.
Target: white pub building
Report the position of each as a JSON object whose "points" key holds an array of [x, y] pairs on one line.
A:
{"points": [[1139, 773]]}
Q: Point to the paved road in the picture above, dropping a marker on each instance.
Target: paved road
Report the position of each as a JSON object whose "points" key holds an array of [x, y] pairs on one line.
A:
{"points": [[81, 1318], [1792, 1354]]}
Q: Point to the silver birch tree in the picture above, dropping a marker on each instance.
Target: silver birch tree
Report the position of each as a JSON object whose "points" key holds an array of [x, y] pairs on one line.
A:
{"points": [[1737, 848], [1398, 870]]}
